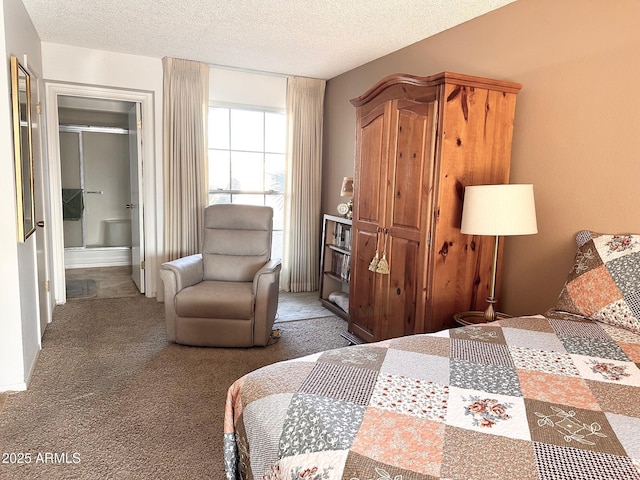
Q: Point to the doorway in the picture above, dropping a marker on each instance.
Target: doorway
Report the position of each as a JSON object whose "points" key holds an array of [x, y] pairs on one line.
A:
{"points": [[95, 230], [96, 163]]}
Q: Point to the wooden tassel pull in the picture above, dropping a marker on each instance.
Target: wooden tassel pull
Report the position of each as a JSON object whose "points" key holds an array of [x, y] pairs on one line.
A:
{"points": [[373, 265], [383, 264]]}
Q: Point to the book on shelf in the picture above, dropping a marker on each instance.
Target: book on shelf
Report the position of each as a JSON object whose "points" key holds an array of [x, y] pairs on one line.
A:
{"points": [[341, 265], [347, 238], [342, 236]]}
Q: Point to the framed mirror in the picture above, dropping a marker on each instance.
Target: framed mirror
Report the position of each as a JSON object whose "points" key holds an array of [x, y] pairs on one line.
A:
{"points": [[21, 104]]}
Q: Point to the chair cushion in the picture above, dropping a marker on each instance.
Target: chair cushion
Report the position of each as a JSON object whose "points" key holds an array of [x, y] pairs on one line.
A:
{"points": [[237, 241], [211, 299]]}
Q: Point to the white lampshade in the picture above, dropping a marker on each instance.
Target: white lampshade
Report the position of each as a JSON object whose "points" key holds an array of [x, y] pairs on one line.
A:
{"points": [[499, 210]]}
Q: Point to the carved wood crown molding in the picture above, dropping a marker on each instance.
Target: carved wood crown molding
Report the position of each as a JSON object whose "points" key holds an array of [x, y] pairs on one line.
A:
{"points": [[432, 81]]}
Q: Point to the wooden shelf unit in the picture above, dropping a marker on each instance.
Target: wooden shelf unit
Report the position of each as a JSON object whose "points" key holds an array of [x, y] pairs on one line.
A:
{"points": [[335, 261]]}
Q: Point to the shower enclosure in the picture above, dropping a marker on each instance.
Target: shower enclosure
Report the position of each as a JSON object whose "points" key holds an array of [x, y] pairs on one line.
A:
{"points": [[96, 191]]}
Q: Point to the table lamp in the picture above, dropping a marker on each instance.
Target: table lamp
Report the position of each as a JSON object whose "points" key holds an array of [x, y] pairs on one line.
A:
{"points": [[346, 209], [498, 210]]}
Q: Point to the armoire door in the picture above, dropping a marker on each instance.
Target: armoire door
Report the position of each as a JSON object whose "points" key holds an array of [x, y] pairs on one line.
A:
{"points": [[407, 215], [393, 174], [368, 218]]}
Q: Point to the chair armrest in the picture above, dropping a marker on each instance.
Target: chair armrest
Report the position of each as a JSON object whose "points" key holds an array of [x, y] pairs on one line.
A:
{"points": [[266, 285], [177, 275], [268, 270], [186, 271]]}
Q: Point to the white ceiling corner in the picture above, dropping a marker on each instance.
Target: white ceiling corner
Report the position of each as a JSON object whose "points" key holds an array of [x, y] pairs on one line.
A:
{"points": [[291, 37]]}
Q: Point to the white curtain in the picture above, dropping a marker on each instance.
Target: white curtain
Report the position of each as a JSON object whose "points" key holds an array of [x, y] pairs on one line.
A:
{"points": [[300, 267], [185, 114]]}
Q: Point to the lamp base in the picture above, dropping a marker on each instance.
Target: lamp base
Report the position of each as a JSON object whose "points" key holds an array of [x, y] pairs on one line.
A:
{"points": [[490, 313], [475, 317]]}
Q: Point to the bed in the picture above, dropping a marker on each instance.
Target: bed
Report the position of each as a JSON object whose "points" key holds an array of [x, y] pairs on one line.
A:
{"points": [[553, 396]]}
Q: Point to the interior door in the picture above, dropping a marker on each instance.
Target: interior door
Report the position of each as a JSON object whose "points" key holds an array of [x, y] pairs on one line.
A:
{"points": [[45, 300], [135, 205]]}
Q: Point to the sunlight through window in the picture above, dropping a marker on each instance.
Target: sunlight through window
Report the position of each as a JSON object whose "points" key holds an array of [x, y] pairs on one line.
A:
{"points": [[247, 161]]}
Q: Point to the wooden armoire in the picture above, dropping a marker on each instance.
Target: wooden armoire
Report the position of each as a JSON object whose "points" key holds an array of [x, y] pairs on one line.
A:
{"points": [[419, 142]]}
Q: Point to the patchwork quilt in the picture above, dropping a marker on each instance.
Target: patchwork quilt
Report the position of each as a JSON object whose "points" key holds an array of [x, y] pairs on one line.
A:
{"points": [[543, 397]]}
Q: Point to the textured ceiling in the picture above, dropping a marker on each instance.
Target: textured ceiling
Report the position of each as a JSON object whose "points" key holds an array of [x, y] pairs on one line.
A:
{"points": [[314, 38]]}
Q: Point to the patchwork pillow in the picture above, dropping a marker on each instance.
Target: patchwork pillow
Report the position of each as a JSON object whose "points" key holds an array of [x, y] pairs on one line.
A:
{"points": [[604, 283]]}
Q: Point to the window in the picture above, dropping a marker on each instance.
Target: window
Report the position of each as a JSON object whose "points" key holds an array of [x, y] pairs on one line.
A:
{"points": [[247, 161]]}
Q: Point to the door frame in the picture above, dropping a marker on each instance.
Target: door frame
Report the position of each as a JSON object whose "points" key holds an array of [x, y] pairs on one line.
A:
{"points": [[46, 302], [146, 169], [137, 208]]}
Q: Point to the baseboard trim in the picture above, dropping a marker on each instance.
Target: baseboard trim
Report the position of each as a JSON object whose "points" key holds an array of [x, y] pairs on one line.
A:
{"points": [[14, 387], [32, 368], [97, 257]]}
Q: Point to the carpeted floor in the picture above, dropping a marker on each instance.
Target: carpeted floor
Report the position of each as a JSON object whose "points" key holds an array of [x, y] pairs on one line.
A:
{"points": [[108, 282], [81, 288], [113, 399], [295, 306]]}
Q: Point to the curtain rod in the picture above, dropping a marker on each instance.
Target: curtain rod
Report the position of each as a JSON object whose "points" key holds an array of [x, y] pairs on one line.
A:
{"points": [[249, 70]]}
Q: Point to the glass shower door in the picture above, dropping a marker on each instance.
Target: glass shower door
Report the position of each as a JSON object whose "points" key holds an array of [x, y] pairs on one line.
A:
{"points": [[95, 187]]}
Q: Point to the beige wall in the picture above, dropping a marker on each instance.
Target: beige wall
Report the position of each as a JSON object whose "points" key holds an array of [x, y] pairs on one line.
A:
{"points": [[577, 128], [19, 328]]}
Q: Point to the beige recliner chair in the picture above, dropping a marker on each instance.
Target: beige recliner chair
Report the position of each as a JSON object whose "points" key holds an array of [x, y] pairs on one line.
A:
{"points": [[228, 295]]}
